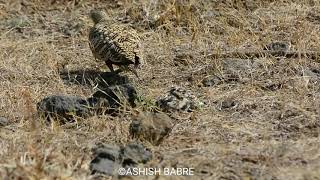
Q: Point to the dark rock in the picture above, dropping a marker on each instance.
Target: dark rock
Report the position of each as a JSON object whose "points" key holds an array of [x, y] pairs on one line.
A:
{"points": [[177, 98], [114, 96], [4, 121], [212, 80], [151, 126], [183, 57], [232, 77], [112, 78], [270, 85], [236, 70], [63, 107], [227, 104], [134, 153], [277, 47], [100, 105], [313, 17], [72, 28], [312, 75], [106, 160]]}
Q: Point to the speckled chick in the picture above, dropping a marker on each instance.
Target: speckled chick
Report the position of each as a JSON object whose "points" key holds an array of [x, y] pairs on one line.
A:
{"points": [[116, 44]]}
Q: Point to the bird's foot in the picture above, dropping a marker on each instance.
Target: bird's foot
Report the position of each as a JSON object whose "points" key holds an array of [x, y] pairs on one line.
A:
{"points": [[117, 71]]}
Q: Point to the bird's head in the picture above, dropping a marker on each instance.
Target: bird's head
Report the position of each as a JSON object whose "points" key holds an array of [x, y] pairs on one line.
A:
{"points": [[98, 15]]}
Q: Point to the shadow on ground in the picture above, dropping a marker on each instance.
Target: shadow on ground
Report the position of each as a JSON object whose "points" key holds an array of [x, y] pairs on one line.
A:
{"points": [[92, 78]]}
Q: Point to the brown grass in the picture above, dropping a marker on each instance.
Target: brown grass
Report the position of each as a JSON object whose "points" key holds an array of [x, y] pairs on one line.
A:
{"points": [[269, 134]]}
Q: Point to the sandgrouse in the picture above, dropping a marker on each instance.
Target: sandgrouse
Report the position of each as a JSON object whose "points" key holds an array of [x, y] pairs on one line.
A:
{"points": [[116, 44]]}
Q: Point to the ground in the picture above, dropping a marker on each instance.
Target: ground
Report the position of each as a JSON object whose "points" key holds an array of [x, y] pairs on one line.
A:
{"points": [[260, 122]]}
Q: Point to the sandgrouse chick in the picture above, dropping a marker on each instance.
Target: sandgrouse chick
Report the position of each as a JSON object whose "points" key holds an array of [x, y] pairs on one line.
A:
{"points": [[116, 44]]}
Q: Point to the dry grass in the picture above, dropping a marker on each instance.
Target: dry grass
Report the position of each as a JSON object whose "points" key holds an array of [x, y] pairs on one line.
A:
{"points": [[269, 134]]}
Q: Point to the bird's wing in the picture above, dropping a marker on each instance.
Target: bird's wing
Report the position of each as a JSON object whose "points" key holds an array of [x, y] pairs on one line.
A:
{"points": [[118, 43], [126, 41]]}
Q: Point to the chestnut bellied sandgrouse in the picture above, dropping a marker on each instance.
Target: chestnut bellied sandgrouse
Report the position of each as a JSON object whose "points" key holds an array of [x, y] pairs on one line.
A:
{"points": [[116, 44]]}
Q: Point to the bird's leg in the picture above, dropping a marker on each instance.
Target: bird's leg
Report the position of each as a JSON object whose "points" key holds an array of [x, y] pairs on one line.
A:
{"points": [[134, 71], [139, 79], [119, 70], [92, 48], [110, 66]]}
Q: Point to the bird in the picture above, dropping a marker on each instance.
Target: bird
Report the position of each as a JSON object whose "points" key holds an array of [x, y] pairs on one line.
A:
{"points": [[114, 43]]}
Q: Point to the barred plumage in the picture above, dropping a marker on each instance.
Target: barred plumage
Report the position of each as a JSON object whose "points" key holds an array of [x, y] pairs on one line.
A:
{"points": [[116, 44]]}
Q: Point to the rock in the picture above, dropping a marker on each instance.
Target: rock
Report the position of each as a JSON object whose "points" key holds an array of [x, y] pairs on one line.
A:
{"points": [[311, 72], [106, 160], [112, 78], [151, 126], [100, 105], [72, 28], [63, 107], [177, 98], [182, 56], [227, 104], [134, 153], [270, 85], [212, 80], [278, 47], [234, 70], [312, 75], [251, 5], [4, 121], [109, 158], [115, 96]]}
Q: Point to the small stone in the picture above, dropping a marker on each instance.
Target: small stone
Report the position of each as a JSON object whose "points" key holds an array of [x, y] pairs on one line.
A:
{"points": [[211, 81], [63, 107], [112, 78], [227, 104], [312, 72], [72, 28], [109, 158], [106, 159], [114, 96], [234, 70], [183, 57], [3, 121], [177, 98], [278, 47], [251, 5], [271, 86], [151, 126], [134, 153]]}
